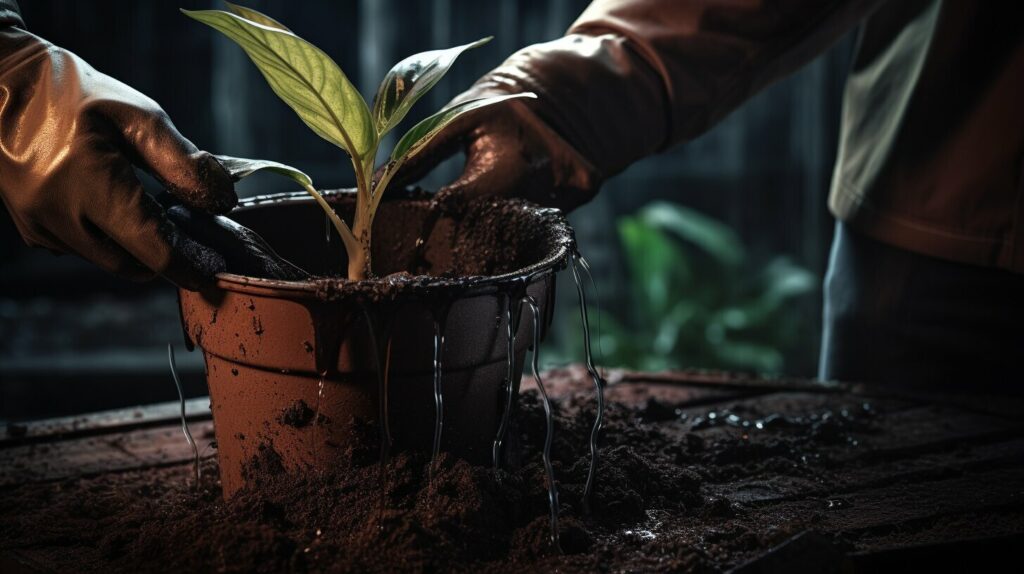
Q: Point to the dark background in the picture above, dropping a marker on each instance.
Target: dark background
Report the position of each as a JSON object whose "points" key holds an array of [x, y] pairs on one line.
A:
{"points": [[73, 339]]}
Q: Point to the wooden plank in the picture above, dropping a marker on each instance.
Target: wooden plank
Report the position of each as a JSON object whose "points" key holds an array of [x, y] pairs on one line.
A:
{"points": [[723, 379], [110, 452], [895, 440], [103, 422], [834, 486], [900, 505]]}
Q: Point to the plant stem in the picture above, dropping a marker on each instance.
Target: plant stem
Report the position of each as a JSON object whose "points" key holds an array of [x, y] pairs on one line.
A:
{"points": [[359, 262], [352, 246]]}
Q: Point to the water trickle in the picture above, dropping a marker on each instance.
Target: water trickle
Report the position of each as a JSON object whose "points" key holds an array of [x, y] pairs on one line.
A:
{"points": [[196, 471], [506, 415], [598, 382], [327, 227], [597, 302], [316, 418], [440, 317], [380, 336], [549, 420], [383, 389]]}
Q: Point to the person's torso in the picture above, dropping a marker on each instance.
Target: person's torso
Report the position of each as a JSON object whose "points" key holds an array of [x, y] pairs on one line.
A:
{"points": [[932, 147]]}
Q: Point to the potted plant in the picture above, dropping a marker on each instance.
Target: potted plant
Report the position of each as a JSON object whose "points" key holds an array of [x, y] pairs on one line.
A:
{"points": [[408, 325]]}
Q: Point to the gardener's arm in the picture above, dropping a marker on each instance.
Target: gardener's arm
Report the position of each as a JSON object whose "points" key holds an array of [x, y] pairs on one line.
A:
{"points": [[631, 78], [70, 138]]}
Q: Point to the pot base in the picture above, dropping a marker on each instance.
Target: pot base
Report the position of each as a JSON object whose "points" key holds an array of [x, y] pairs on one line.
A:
{"points": [[309, 426]]}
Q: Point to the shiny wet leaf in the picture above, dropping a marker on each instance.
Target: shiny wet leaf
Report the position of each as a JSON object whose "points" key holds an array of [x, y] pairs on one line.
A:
{"points": [[408, 80], [420, 135]]}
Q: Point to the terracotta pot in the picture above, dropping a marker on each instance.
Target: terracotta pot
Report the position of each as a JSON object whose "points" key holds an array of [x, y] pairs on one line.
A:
{"points": [[280, 354]]}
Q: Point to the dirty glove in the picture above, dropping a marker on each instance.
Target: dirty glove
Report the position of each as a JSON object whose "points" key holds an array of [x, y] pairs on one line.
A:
{"points": [[69, 138], [630, 79], [242, 250], [510, 152]]}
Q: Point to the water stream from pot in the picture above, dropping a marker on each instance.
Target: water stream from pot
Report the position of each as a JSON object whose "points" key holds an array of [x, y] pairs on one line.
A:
{"points": [[510, 388], [548, 420], [576, 263], [316, 418], [196, 471], [380, 337], [599, 383], [440, 319]]}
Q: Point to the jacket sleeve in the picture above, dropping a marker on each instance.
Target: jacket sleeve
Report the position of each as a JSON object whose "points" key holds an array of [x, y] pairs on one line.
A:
{"points": [[633, 77], [10, 14]]}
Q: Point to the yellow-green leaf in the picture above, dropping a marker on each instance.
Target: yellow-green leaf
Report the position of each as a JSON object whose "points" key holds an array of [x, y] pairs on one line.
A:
{"points": [[420, 135], [408, 80], [304, 77]]}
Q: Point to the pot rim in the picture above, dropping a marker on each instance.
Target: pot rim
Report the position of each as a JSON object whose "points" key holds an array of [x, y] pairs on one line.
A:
{"points": [[563, 238]]}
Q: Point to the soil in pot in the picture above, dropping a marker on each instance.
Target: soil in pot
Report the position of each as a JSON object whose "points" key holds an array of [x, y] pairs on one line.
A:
{"points": [[418, 359]]}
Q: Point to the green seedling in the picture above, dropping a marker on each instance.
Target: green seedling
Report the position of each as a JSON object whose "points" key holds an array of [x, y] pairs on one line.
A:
{"points": [[313, 85]]}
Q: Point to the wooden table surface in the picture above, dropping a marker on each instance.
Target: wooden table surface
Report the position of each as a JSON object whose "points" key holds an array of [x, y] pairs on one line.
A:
{"points": [[945, 461]]}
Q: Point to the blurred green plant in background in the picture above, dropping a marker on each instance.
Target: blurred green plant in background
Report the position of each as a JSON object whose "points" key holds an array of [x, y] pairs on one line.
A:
{"points": [[697, 299]]}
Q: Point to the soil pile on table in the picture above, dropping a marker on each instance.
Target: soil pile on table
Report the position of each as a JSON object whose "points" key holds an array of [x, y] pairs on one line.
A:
{"points": [[680, 486], [449, 515]]}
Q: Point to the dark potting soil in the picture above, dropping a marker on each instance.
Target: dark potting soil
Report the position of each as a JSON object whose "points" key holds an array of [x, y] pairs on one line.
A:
{"points": [[420, 246], [695, 488], [460, 245]]}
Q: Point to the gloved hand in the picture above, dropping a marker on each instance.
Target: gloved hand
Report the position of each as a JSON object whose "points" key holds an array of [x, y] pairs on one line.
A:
{"points": [[69, 138], [243, 251], [510, 152]]}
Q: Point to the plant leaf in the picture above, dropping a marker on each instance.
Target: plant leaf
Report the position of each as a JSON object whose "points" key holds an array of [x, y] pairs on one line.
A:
{"points": [[711, 235], [409, 79], [658, 266], [254, 16], [240, 167], [304, 77], [420, 135]]}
